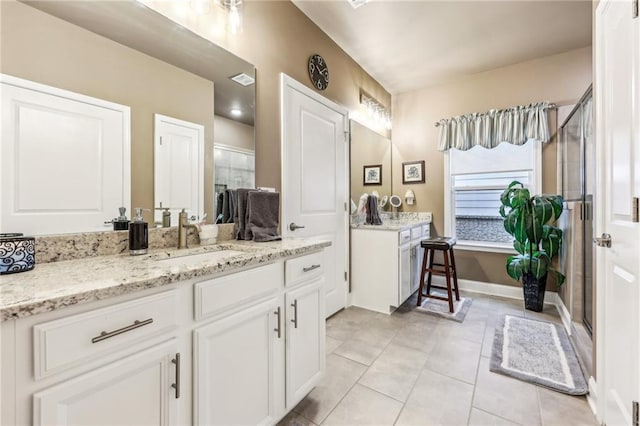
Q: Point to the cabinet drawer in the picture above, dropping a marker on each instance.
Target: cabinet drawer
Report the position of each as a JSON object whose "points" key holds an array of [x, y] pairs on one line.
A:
{"points": [[218, 295], [68, 342], [304, 268], [416, 232], [426, 231], [405, 237]]}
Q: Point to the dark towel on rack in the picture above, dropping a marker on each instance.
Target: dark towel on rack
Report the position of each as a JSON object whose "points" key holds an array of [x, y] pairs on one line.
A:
{"points": [[226, 212], [373, 218], [232, 195], [218, 218], [263, 210], [240, 227]]}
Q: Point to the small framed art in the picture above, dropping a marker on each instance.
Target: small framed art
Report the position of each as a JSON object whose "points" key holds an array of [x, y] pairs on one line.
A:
{"points": [[372, 175], [413, 172]]}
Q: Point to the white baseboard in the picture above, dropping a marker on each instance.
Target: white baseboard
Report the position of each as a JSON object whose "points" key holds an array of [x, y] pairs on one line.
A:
{"points": [[592, 396], [564, 315], [500, 290]]}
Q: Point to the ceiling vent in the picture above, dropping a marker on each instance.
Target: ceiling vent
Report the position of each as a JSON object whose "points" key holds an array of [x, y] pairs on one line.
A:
{"points": [[357, 3], [244, 79]]}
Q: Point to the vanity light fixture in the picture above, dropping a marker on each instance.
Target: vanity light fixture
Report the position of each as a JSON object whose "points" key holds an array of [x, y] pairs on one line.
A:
{"points": [[357, 3], [236, 112], [243, 79], [376, 111], [234, 8]]}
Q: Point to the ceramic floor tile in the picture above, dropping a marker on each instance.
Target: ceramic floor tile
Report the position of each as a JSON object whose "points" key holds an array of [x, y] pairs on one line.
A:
{"points": [[366, 346], [331, 344], [564, 410], [418, 334], [341, 375], [456, 358], [364, 406], [549, 313], [487, 342], [437, 400], [395, 371], [506, 397], [295, 419], [472, 330], [482, 418]]}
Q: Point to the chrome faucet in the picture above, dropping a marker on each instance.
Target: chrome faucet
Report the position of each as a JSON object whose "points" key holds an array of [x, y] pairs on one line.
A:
{"points": [[183, 229]]}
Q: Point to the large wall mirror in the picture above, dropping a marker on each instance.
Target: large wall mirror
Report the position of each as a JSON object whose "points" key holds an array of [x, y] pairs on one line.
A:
{"points": [[190, 101], [370, 162]]}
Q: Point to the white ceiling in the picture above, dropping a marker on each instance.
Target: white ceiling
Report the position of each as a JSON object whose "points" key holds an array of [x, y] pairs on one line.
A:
{"points": [[407, 45]]}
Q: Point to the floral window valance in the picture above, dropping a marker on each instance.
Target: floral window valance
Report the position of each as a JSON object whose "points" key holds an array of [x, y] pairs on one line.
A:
{"points": [[515, 125]]}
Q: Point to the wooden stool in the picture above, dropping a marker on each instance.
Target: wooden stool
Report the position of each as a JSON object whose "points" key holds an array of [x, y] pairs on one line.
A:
{"points": [[448, 269]]}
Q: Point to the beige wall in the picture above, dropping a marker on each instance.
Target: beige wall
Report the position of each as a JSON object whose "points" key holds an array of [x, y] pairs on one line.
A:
{"points": [[233, 133], [561, 79], [39, 47], [278, 38], [369, 148]]}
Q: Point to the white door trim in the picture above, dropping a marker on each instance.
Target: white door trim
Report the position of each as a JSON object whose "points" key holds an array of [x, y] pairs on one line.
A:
{"points": [[199, 128], [287, 82]]}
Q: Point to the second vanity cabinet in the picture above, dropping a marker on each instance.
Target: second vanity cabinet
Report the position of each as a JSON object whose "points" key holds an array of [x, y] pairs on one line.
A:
{"points": [[386, 265], [242, 348]]}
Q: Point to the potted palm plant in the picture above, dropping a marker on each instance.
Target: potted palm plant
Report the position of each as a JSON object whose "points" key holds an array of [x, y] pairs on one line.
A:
{"points": [[529, 219]]}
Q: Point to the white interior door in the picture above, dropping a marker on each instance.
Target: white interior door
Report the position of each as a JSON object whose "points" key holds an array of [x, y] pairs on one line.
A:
{"points": [[64, 159], [314, 179], [179, 167], [617, 96]]}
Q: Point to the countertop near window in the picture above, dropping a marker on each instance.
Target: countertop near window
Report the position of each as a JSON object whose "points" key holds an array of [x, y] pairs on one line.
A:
{"points": [[55, 285], [390, 225]]}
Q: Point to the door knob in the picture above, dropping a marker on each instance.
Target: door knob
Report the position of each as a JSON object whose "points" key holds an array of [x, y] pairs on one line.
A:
{"points": [[604, 241], [293, 226]]}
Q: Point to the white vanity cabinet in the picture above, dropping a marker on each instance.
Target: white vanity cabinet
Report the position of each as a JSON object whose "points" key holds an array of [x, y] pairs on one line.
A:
{"points": [[136, 390], [386, 265], [241, 348]]}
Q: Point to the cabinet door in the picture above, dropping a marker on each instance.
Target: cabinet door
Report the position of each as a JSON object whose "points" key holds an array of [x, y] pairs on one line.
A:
{"points": [[136, 390], [404, 273], [305, 339], [239, 367]]}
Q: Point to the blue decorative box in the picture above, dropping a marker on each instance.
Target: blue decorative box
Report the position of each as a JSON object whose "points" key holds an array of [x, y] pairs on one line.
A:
{"points": [[17, 253]]}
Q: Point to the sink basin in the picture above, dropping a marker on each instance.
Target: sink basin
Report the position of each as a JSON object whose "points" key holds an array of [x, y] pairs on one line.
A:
{"points": [[194, 259]]}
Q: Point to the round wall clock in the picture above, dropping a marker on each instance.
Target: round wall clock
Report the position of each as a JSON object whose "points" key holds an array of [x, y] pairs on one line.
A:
{"points": [[318, 72]]}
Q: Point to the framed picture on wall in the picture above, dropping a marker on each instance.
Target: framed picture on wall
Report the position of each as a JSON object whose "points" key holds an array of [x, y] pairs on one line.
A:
{"points": [[413, 172], [372, 175]]}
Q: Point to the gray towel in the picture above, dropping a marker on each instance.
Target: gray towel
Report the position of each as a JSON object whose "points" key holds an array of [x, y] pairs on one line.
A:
{"points": [[232, 196], [226, 207], [263, 210], [218, 218], [240, 226], [373, 218]]}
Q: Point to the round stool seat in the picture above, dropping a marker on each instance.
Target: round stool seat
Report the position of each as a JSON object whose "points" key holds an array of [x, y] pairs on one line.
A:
{"points": [[438, 243]]}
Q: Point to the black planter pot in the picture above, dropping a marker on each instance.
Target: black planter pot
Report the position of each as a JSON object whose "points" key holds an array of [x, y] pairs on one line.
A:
{"points": [[533, 292]]}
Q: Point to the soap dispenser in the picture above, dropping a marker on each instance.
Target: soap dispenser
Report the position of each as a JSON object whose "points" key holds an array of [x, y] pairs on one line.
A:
{"points": [[121, 223], [138, 234]]}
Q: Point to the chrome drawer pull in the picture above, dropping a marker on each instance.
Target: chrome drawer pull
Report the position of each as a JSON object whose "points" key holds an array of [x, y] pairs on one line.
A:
{"points": [[176, 385], [136, 324], [310, 268], [295, 313], [277, 313]]}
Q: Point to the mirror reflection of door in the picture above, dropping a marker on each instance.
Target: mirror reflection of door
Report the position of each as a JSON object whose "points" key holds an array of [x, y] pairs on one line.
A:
{"points": [[179, 168]]}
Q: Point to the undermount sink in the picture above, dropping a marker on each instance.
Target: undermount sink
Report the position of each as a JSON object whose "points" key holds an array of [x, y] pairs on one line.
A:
{"points": [[193, 259]]}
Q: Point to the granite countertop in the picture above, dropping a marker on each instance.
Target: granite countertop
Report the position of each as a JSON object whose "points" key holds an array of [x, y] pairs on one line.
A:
{"points": [[391, 225], [51, 286]]}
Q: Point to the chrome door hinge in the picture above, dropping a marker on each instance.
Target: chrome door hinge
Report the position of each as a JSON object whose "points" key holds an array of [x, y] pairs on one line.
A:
{"points": [[346, 136], [635, 8], [635, 209], [635, 420], [160, 140], [345, 207], [346, 275]]}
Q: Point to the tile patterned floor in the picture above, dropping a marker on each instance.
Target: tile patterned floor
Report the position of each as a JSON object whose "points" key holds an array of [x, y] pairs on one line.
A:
{"points": [[411, 368]]}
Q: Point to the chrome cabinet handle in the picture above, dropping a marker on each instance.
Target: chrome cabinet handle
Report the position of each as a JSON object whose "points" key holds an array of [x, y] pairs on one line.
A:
{"points": [[176, 385], [107, 334], [293, 226], [277, 329], [310, 268], [603, 241], [295, 313]]}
